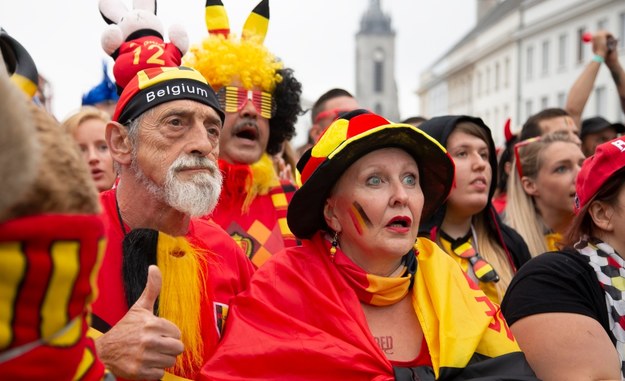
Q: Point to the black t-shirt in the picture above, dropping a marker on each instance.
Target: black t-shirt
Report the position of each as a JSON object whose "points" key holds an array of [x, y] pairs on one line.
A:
{"points": [[556, 282]]}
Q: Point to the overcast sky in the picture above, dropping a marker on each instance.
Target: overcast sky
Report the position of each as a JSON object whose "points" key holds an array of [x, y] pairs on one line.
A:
{"points": [[314, 37]]}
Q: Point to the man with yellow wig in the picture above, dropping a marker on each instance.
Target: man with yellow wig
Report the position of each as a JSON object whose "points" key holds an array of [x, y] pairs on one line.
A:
{"points": [[261, 99]]}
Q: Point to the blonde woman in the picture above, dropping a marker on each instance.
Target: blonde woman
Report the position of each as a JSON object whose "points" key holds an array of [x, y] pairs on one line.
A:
{"points": [[87, 127], [541, 190], [467, 226]]}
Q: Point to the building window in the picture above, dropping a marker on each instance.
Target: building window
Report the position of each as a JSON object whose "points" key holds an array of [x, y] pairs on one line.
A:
{"points": [[602, 24], [378, 109], [562, 51], [580, 45], [621, 29], [497, 75], [479, 83], [378, 82], [529, 64], [496, 117], [378, 71], [545, 65], [561, 99], [544, 102], [506, 69], [528, 108], [487, 80], [506, 111], [600, 101]]}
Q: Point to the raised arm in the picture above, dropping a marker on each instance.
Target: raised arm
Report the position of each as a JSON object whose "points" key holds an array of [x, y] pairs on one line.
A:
{"points": [[583, 85], [618, 74]]}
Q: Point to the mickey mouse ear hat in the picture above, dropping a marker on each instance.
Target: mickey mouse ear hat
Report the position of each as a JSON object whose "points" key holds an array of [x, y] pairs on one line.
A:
{"points": [[346, 140]]}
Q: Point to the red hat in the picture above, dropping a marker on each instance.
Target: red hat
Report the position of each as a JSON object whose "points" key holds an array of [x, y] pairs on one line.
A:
{"points": [[346, 140], [609, 157]]}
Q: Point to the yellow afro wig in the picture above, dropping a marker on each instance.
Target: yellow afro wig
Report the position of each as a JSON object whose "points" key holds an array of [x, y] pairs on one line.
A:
{"points": [[226, 61]]}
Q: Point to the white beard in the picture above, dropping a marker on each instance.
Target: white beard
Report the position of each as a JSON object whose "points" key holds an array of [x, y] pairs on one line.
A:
{"points": [[195, 197]]}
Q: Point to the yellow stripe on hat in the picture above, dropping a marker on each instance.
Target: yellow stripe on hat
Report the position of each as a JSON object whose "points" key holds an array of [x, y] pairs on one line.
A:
{"points": [[24, 83], [257, 23], [216, 18], [169, 73], [331, 139]]}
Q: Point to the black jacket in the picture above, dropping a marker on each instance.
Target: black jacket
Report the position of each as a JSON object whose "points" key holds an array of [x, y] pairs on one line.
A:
{"points": [[440, 128]]}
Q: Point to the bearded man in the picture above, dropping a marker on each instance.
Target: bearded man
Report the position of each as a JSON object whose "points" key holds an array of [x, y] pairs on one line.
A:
{"points": [[164, 139]]}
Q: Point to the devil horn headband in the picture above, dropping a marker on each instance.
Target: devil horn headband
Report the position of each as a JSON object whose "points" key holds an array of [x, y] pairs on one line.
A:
{"points": [[507, 131], [256, 25]]}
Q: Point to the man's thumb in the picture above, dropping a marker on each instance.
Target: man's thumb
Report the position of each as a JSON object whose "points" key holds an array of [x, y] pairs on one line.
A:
{"points": [[152, 289]]}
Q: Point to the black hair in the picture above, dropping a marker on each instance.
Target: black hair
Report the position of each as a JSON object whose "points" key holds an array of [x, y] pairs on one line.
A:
{"points": [[330, 94], [287, 97]]}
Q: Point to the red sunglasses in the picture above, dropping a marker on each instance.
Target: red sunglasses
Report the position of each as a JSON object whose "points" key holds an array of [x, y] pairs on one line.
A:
{"points": [[233, 99], [517, 158], [334, 113]]}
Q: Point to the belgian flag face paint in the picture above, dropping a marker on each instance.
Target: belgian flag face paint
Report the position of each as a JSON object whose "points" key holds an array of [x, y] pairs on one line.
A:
{"points": [[359, 218]]}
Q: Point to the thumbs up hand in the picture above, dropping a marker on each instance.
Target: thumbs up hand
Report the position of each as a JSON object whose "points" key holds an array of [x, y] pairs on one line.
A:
{"points": [[140, 346]]}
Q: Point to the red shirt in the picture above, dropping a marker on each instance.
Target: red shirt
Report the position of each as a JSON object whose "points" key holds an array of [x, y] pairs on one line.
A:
{"points": [[228, 271]]}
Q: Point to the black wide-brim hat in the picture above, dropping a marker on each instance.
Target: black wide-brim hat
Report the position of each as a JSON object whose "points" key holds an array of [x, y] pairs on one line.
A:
{"points": [[346, 140]]}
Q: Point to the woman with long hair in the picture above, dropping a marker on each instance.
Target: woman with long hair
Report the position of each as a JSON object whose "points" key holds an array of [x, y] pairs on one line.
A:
{"points": [[541, 190], [567, 308], [467, 226]]}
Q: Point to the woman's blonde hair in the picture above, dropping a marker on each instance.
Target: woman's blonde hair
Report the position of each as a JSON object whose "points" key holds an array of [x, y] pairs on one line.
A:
{"points": [[71, 123], [489, 245], [521, 212]]}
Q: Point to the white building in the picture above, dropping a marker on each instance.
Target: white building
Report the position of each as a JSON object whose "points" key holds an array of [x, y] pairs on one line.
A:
{"points": [[522, 57]]}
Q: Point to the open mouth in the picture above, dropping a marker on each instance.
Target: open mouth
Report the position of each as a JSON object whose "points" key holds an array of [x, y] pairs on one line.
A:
{"points": [[480, 180], [247, 132], [399, 222]]}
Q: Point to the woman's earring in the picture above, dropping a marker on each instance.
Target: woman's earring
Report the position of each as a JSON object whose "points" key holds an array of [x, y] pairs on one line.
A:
{"points": [[335, 243]]}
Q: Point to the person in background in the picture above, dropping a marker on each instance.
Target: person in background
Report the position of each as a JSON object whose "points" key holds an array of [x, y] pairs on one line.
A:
{"points": [[549, 120], [605, 49], [87, 127], [360, 300], [596, 131], [504, 167], [467, 227], [104, 95], [566, 308], [541, 189], [415, 120], [165, 143], [326, 108], [261, 100]]}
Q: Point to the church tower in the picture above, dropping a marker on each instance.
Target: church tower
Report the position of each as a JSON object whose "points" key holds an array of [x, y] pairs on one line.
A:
{"points": [[375, 63]]}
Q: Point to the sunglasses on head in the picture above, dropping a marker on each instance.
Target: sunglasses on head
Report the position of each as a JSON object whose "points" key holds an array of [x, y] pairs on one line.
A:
{"points": [[334, 113], [233, 99], [517, 158]]}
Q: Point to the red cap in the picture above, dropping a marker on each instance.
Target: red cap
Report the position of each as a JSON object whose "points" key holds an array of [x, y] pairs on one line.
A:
{"points": [[609, 157]]}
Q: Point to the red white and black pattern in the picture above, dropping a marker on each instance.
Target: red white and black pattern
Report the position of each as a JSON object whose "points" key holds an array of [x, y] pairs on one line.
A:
{"points": [[610, 269]]}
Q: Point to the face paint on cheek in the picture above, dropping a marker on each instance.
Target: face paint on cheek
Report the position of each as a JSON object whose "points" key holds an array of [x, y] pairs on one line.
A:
{"points": [[359, 217]]}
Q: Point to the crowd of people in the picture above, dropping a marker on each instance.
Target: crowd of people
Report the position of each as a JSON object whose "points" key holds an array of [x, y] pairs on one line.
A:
{"points": [[379, 250]]}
